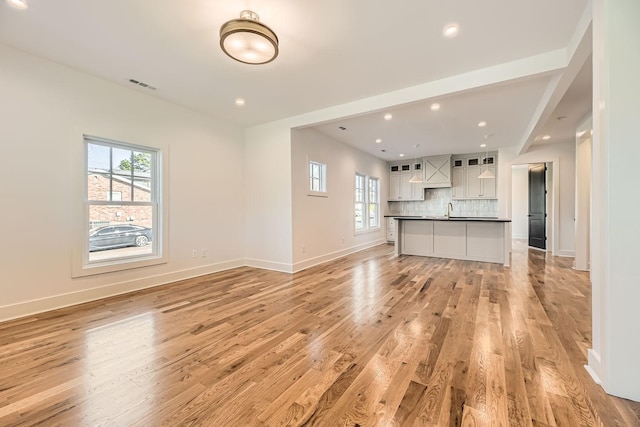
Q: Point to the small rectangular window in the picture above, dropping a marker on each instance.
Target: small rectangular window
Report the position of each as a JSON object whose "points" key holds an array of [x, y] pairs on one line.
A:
{"points": [[317, 177]]}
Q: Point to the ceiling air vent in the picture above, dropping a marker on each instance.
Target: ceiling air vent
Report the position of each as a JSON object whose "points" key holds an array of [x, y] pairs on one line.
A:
{"points": [[142, 84]]}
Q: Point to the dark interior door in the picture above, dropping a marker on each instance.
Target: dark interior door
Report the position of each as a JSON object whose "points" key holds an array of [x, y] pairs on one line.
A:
{"points": [[537, 206]]}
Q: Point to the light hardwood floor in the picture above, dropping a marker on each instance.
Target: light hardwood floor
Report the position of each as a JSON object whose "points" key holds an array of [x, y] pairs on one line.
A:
{"points": [[369, 339]]}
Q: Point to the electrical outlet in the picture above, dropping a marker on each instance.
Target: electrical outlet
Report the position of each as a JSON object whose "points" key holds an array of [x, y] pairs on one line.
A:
{"points": [[204, 253], [304, 249], [343, 240], [194, 253]]}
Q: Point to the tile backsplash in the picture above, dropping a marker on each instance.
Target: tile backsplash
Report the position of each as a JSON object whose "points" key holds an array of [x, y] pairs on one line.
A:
{"points": [[435, 204]]}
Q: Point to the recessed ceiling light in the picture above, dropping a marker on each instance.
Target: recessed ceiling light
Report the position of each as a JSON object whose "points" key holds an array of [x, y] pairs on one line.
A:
{"points": [[378, 141], [240, 102], [388, 116], [546, 137], [18, 4], [435, 106], [483, 145], [482, 124], [450, 30], [401, 154]]}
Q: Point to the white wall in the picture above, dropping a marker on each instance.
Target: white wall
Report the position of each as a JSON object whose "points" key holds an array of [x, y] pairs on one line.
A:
{"points": [[520, 202], [563, 156], [267, 197], [325, 225], [42, 106]]}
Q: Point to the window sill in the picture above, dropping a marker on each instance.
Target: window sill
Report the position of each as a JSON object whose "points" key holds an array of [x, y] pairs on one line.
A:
{"points": [[317, 194], [118, 264]]}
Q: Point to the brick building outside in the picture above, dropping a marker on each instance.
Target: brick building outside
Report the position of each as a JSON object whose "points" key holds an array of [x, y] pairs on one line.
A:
{"points": [[99, 188]]}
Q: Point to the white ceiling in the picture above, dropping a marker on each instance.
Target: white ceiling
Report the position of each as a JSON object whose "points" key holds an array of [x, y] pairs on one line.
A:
{"points": [[331, 52]]}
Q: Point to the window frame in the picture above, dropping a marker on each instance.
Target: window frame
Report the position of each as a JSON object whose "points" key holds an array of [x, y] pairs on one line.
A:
{"points": [[81, 266], [322, 179], [362, 203], [375, 203], [366, 204]]}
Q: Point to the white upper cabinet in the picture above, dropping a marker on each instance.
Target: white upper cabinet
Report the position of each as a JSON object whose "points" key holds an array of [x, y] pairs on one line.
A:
{"points": [[394, 186], [400, 189], [457, 183], [437, 171], [466, 171], [460, 172]]}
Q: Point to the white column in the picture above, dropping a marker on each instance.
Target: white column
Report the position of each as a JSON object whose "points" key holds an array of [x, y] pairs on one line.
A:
{"points": [[614, 358]]}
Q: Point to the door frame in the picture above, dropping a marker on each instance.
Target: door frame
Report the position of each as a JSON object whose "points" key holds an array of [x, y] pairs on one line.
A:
{"points": [[545, 203], [553, 211]]}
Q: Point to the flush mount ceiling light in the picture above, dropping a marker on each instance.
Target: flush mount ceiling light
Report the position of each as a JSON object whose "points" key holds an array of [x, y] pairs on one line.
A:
{"points": [[18, 4], [248, 40], [388, 116], [435, 106]]}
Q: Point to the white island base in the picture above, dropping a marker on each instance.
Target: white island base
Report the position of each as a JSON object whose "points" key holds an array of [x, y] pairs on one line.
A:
{"points": [[472, 240]]}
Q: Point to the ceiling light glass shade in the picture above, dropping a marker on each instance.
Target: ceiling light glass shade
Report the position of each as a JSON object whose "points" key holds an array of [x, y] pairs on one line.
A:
{"points": [[486, 174], [415, 179], [247, 40]]}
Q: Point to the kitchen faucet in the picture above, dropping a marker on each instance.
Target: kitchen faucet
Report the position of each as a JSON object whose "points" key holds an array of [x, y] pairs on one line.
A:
{"points": [[449, 209]]}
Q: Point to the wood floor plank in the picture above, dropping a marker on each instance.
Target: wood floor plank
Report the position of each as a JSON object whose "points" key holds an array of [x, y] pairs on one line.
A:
{"points": [[370, 339]]}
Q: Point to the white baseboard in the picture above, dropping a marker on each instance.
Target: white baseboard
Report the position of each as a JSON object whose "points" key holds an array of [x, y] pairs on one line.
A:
{"points": [[269, 265], [28, 308], [594, 366], [520, 236], [565, 253], [302, 265]]}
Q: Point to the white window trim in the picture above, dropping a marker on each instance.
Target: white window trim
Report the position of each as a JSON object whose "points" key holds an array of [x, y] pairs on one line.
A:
{"points": [[323, 180], [80, 254], [369, 202], [366, 228]]}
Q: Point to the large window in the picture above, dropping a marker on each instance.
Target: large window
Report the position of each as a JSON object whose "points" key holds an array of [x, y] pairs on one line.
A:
{"points": [[367, 203], [121, 203], [317, 178]]}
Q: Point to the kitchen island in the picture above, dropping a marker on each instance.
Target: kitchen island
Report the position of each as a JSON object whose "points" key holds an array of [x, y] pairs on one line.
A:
{"points": [[466, 238]]}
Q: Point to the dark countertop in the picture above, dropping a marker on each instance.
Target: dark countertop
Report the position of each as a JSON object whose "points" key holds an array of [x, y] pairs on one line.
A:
{"points": [[453, 218]]}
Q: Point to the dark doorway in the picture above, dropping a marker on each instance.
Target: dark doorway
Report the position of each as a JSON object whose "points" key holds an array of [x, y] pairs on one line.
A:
{"points": [[537, 206]]}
